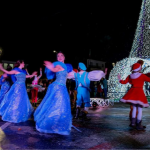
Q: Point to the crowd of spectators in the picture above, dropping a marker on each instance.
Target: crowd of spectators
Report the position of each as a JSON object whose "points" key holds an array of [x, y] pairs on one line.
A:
{"points": [[99, 89]]}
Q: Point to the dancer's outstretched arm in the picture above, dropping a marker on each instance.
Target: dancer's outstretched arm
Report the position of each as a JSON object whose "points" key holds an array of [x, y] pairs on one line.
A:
{"points": [[5, 76], [123, 81], [8, 72], [15, 72], [33, 74], [50, 66], [40, 74]]}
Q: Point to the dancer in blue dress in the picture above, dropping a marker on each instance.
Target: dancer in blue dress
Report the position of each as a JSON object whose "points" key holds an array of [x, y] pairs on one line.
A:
{"points": [[16, 106], [5, 85], [53, 115]]}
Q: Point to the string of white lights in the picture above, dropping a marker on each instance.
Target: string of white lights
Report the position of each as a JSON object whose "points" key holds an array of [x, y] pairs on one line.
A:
{"points": [[140, 50]]}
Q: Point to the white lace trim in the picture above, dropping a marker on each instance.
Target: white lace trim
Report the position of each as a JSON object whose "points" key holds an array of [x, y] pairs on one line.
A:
{"points": [[135, 102]]}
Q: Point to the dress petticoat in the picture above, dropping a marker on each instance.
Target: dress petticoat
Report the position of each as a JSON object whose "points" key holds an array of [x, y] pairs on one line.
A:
{"points": [[53, 115], [39, 87], [16, 106], [136, 95]]}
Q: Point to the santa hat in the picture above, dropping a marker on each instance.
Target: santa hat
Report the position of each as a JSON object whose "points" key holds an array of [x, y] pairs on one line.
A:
{"points": [[136, 67]]}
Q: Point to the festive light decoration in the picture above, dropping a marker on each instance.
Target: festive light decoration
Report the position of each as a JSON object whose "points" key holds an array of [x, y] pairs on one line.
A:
{"points": [[102, 102], [115, 89], [141, 43], [140, 50]]}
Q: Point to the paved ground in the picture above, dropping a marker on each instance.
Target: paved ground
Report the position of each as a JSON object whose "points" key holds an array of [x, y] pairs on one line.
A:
{"points": [[107, 129]]}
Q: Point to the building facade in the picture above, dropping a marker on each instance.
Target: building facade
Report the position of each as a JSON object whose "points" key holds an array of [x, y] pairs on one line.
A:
{"points": [[95, 64], [7, 63]]}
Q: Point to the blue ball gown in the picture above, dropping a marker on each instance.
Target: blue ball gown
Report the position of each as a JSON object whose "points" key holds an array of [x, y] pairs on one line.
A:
{"points": [[5, 86], [16, 106], [53, 115]]}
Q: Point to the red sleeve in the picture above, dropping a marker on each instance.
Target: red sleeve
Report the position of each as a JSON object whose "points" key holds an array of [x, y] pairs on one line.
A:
{"points": [[146, 78], [147, 74], [124, 81]]}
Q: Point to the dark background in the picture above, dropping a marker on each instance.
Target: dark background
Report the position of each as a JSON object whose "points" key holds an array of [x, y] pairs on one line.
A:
{"points": [[102, 30]]}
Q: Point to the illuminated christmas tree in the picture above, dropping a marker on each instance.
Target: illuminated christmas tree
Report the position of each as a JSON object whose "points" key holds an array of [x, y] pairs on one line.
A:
{"points": [[141, 43], [140, 50]]}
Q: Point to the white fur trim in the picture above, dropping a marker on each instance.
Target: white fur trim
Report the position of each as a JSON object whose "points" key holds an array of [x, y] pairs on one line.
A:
{"points": [[135, 75], [137, 69], [134, 102]]}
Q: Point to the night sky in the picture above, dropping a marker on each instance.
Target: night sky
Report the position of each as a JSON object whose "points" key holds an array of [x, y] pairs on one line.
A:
{"points": [[31, 31]]}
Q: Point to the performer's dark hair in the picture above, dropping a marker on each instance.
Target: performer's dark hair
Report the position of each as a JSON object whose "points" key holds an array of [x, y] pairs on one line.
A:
{"points": [[61, 52], [141, 62], [17, 63], [9, 68]]}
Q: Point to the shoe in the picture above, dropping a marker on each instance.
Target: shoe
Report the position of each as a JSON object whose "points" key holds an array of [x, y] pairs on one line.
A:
{"points": [[77, 113], [133, 122], [139, 126], [84, 116]]}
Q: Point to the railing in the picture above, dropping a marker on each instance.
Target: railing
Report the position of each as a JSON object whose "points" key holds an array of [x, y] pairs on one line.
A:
{"points": [[102, 102]]}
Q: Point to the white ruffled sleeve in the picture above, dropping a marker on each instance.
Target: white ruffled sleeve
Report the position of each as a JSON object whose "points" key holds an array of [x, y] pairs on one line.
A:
{"points": [[96, 75], [71, 75]]}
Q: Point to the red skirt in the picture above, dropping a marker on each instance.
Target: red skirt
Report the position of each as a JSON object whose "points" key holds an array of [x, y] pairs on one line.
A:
{"points": [[135, 96]]}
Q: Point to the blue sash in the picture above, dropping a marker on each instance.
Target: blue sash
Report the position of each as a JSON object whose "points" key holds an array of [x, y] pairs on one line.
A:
{"points": [[51, 75], [13, 78]]}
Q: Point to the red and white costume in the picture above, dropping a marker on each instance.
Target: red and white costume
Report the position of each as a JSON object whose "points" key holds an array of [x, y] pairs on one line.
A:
{"points": [[34, 91], [136, 93]]}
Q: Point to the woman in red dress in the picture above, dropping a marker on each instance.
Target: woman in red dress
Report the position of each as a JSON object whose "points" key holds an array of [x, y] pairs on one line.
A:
{"points": [[35, 88], [135, 95]]}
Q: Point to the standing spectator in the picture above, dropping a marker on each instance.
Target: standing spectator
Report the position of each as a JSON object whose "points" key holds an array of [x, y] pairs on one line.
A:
{"points": [[99, 89], [104, 82], [9, 67], [50, 81], [92, 88], [40, 82], [68, 85], [45, 85], [95, 90], [73, 95]]}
